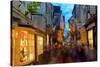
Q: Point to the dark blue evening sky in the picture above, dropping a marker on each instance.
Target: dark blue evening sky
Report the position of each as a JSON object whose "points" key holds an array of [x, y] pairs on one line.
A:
{"points": [[67, 12]]}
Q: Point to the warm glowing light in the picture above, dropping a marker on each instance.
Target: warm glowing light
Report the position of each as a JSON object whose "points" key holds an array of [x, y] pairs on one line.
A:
{"points": [[23, 38], [23, 34], [90, 38], [31, 57], [47, 39], [69, 29]]}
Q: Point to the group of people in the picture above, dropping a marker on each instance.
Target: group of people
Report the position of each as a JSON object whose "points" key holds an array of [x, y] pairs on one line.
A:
{"points": [[68, 54]]}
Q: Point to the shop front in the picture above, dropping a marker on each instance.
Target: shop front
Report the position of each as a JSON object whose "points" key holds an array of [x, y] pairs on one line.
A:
{"points": [[91, 28], [27, 46], [27, 40], [92, 37], [23, 46]]}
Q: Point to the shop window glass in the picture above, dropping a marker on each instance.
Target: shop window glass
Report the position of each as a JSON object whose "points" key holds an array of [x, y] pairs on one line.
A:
{"points": [[90, 38], [23, 46]]}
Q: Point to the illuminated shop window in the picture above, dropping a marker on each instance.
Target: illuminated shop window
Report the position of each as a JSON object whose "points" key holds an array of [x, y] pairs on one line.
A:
{"points": [[90, 38], [31, 47], [23, 54], [23, 46], [47, 39]]}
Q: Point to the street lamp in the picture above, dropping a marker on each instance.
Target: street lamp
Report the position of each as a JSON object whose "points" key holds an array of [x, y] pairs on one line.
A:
{"points": [[69, 29]]}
